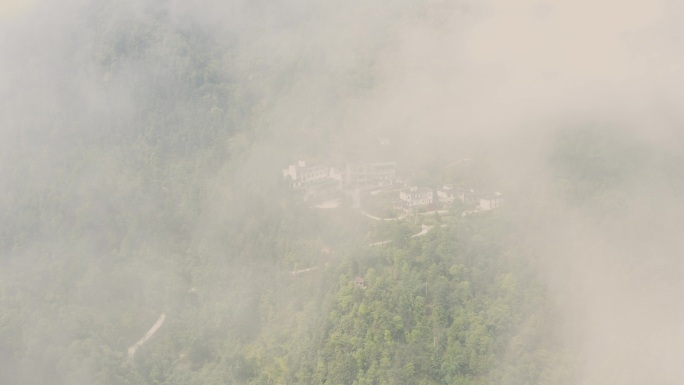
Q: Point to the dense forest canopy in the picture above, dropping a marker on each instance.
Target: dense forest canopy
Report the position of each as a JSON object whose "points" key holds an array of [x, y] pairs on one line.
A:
{"points": [[141, 149]]}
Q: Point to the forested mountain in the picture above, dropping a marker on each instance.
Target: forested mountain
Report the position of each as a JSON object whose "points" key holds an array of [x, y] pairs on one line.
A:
{"points": [[141, 144]]}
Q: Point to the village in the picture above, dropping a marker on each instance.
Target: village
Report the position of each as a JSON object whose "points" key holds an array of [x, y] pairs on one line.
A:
{"points": [[377, 190]]}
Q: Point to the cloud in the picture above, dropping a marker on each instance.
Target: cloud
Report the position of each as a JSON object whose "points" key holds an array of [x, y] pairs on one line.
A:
{"points": [[440, 75]]}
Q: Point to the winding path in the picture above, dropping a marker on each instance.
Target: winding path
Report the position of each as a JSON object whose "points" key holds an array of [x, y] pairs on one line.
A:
{"points": [[382, 219], [295, 272], [379, 243], [147, 336], [329, 204], [424, 230]]}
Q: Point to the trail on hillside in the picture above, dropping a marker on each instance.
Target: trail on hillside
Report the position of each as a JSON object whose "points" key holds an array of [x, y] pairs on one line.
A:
{"points": [[424, 230], [147, 336], [381, 219]]}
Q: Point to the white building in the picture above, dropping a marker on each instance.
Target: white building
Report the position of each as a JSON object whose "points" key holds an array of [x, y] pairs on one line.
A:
{"points": [[370, 174], [415, 197], [490, 201], [467, 196], [384, 173], [446, 194], [304, 174]]}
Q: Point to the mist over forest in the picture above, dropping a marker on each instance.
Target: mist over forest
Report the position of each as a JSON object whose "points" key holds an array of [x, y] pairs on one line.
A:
{"points": [[341, 192]]}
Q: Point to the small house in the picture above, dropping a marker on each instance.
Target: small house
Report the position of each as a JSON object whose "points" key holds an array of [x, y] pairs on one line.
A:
{"points": [[369, 175], [304, 174], [467, 196], [414, 198], [446, 194], [490, 201]]}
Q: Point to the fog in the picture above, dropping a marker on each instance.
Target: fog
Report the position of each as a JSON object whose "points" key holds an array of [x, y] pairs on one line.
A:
{"points": [[155, 132]]}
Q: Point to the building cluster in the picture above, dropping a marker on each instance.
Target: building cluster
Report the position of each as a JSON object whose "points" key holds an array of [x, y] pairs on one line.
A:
{"points": [[370, 175], [417, 198], [482, 200], [319, 181], [305, 174], [317, 177]]}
